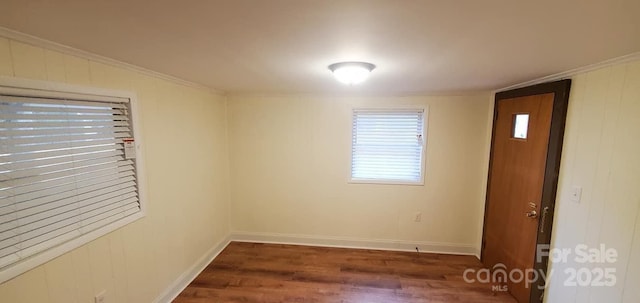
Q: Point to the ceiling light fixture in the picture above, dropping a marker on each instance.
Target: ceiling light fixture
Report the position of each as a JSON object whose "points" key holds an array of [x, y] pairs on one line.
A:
{"points": [[351, 73]]}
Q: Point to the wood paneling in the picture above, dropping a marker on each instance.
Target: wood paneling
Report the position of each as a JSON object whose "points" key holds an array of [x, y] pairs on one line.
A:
{"points": [[600, 155], [184, 220], [250, 272]]}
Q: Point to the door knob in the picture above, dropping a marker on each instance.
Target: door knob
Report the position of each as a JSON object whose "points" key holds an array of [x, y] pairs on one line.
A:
{"points": [[532, 214]]}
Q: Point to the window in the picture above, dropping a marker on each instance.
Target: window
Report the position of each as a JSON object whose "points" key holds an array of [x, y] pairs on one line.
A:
{"points": [[388, 146], [68, 173], [520, 126]]}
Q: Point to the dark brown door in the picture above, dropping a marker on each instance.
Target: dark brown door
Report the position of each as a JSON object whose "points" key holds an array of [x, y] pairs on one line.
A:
{"points": [[525, 160]]}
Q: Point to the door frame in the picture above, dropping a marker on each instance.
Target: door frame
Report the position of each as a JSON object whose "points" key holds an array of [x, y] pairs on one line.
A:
{"points": [[561, 90]]}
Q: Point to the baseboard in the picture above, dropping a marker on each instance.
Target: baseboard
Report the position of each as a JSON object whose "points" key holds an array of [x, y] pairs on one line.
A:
{"points": [[343, 242], [190, 274]]}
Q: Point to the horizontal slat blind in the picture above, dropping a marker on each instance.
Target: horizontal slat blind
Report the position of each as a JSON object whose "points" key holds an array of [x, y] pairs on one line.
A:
{"points": [[387, 145], [63, 171]]}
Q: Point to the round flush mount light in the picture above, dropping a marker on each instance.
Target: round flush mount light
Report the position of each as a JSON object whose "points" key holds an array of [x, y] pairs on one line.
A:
{"points": [[351, 72]]}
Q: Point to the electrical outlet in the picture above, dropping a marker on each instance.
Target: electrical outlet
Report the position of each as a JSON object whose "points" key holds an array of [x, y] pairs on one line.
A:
{"points": [[417, 217], [100, 297]]}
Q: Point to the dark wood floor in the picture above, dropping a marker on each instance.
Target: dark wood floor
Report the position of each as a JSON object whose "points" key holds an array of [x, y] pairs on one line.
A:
{"points": [[250, 272]]}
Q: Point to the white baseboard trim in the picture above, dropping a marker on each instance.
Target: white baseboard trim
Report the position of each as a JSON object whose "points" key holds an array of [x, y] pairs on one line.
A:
{"points": [[344, 242], [190, 274], [341, 242]]}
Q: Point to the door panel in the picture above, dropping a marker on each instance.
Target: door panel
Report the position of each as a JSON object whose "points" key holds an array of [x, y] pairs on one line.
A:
{"points": [[522, 181], [516, 186]]}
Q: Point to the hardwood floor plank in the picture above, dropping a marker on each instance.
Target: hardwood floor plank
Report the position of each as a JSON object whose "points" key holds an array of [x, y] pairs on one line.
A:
{"points": [[254, 272]]}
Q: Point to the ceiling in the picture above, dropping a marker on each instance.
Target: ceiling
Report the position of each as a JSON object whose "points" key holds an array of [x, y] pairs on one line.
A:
{"points": [[285, 46]]}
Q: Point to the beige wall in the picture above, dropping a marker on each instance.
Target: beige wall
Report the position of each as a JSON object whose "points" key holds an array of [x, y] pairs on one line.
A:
{"points": [[289, 159], [601, 155], [290, 166], [184, 133]]}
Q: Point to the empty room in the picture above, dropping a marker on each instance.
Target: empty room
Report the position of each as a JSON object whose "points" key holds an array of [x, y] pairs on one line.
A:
{"points": [[354, 151]]}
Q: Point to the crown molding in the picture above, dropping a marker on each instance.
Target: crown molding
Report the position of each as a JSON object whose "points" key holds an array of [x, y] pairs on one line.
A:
{"points": [[573, 72], [50, 45], [39, 42]]}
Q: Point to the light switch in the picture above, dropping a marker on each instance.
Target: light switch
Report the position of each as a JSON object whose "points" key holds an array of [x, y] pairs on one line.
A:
{"points": [[576, 194]]}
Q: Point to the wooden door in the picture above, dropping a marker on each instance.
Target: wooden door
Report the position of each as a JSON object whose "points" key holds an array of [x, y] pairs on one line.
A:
{"points": [[525, 161]]}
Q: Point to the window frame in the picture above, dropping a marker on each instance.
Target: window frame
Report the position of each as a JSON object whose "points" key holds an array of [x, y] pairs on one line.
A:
{"points": [[425, 120], [54, 89]]}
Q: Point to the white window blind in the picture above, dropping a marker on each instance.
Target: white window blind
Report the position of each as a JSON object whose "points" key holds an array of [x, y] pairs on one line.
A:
{"points": [[63, 171], [387, 145]]}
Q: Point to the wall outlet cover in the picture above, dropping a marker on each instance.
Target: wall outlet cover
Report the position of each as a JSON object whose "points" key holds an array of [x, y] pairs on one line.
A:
{"points": [[100, 297]]}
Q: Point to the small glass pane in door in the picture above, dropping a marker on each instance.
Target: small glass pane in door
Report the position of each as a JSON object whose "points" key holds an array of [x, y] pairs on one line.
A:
{"points": [[520, 126]]}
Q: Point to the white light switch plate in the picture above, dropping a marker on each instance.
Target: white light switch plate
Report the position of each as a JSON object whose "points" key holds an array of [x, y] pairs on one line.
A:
{"points": [[576, 194]]}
